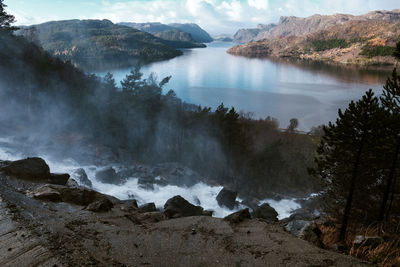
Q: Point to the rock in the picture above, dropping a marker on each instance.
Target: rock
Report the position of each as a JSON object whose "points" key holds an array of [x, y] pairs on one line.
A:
{"points": [[131, 202], [58, 178], [239, 216], [252, 204], [148, 207], [176, 174], [108, 176], [208, 213], [74, 195], [146, 182], [82, 178], [47, 193], [227, 198], [4, 163], [29, 168], [102, 205], [179, 207], [151, 217], [307, 230], [72, 183], [266, 212]]}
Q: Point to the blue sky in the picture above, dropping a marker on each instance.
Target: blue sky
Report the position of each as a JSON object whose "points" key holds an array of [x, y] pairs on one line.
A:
{"points": [[216, 16]]}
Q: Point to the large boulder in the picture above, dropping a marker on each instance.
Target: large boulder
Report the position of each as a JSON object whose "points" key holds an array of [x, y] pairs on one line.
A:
{"points": [[74, 195], [179, 207], [266, 212], [29, 168], [34, 169], [108, 176], [227, 198], [239, 216], [82, 178], [148, 207], [307, 230]]}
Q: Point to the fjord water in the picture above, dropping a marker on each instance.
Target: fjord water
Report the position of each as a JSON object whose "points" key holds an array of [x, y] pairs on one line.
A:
{"points": [[312, 92]]}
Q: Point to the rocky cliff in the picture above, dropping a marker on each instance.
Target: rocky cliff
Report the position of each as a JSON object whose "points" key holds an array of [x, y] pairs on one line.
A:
{"points": [[67, 225], [365, 39]]}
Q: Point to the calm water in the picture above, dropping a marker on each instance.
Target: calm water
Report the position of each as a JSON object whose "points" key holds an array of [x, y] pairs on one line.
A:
{"points": [[283, 89]]}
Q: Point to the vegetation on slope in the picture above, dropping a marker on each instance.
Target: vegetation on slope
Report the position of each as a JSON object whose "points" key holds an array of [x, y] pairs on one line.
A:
{"points": [[83, 41]]}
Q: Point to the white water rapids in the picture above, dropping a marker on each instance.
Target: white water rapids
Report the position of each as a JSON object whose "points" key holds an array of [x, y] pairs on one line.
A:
{"points": [[198, 194]]}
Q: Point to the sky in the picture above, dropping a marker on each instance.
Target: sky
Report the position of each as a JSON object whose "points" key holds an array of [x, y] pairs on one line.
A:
{"points": [[215, 16]]}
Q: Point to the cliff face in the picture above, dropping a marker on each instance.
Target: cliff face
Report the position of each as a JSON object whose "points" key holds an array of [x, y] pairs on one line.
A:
{"points": [[365, 39]]}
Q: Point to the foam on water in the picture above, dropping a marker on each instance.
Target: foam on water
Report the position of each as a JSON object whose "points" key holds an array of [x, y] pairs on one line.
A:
{"points": [[199, 194], [283, 207]]}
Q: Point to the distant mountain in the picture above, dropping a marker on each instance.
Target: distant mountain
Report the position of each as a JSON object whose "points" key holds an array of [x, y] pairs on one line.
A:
{"points": [[366, 39], [197, 33], [173, 36], [223, 38], [92, 41], [248, 35]]}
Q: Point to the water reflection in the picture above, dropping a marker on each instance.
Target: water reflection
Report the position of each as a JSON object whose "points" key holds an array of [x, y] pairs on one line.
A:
{"points": [[309, 91]]}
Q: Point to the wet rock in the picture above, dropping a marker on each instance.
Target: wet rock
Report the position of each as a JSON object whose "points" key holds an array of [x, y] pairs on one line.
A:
{"points": [[72, 183], [82, 178], [179, 207], [227, 198], [266, 212], [58, 178], [239, 216], [252, 204], [47, 193], [176, 174], [101, 205], [29, 168], [108, 176], [148, 207], [146, 182]]}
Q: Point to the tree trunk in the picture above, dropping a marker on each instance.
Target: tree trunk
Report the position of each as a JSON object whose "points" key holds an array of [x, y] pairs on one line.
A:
{"points": [[349, 200], [391, 199], [389, 182]]}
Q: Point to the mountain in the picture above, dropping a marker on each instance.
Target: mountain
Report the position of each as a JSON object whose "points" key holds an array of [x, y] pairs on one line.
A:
{"points": [[197, 33], [366, 39], [247, 35], [172, 36], [85, 41]]}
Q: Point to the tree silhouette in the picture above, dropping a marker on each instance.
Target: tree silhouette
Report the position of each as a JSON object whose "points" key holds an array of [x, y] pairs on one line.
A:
{"points": [[6, 19]]}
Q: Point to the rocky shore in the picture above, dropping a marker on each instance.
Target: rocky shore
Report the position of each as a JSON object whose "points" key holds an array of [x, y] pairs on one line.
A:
{"points": [[48, 221]]}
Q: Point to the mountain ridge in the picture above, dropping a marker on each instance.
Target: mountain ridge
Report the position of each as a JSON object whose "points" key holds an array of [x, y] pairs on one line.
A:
{"points": [[367, 39]]}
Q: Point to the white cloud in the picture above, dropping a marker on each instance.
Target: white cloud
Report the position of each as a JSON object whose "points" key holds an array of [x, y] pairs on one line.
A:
{"points": [[216, 16]]}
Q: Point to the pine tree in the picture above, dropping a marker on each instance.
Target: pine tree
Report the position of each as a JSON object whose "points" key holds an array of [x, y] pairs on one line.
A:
{"points": [[391, 101], [6, 19], [345, 154]]}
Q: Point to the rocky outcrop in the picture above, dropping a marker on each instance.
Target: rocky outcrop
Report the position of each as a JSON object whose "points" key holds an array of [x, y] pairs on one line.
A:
{"points": [[37, 232], [227, 198], [33, 169], [148, 207], [238, 216], [82, 178], [81, 196], [179, 207], [336, 38], [109, 176], [265, 212]]}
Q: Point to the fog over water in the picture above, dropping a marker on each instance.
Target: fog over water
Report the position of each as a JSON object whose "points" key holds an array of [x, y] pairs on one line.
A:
{"points": [[283, 89]]}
